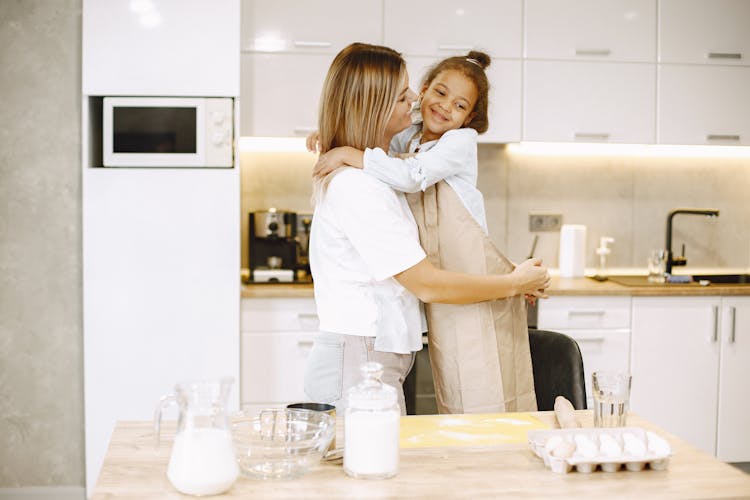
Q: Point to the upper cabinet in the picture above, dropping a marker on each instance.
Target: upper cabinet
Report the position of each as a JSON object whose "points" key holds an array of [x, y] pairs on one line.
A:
{"points": [[701, 104], [589, 102], [609, 30], [704, 31], [303, 26], [449, 27]]}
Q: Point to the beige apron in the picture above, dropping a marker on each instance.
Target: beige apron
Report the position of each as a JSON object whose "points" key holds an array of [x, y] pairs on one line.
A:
{"points": [[479, 353]]}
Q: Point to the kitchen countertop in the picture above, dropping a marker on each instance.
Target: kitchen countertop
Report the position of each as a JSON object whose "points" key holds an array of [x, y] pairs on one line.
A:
{"points": [[133, 470], [560, 286]]}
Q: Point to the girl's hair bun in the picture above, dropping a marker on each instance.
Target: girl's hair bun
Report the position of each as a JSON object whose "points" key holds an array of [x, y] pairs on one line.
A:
{"points": [[480, 57]]}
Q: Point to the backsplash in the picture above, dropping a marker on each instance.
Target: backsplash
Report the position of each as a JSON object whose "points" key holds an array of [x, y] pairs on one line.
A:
{"points": [[626, 197]]}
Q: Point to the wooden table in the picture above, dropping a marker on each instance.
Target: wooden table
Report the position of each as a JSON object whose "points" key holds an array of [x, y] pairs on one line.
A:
{"points": [[133, 470]]}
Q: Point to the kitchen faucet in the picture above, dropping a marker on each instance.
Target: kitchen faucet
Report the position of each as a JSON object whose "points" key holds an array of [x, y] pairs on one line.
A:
{"points": [[681, 261]]}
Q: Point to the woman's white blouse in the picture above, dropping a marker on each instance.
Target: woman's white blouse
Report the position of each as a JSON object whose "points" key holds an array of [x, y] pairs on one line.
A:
{"points": [[363, 234]]}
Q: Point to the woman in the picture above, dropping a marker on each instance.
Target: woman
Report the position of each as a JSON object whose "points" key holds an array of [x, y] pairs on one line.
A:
{"points": [[369, 270]]}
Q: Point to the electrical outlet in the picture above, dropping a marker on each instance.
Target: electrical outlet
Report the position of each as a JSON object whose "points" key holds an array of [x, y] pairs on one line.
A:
{"points": [[544, 222]]}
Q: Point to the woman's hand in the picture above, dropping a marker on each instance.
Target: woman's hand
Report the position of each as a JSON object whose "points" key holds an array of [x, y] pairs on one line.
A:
{"points": [[338, 157], [532, 278], [312, 142]]}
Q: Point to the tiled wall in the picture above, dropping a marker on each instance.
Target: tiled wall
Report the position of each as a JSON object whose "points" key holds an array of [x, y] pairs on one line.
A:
{"points": [[623, 196]]}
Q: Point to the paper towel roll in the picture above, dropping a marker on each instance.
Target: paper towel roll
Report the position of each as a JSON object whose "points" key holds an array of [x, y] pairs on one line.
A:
{"points": [[572, 250]]}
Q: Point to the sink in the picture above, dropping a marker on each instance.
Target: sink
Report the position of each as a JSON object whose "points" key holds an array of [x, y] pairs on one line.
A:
{"points": [[717, 279], [734, 279]]}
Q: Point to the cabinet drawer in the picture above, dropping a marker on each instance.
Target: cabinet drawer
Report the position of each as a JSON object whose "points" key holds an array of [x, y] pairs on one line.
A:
{"points": [[559, 313], [273, 366], [279, 315], [602, 350]]}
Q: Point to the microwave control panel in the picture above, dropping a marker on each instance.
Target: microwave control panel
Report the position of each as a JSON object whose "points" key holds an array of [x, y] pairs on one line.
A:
{"points": [[219, 131]]}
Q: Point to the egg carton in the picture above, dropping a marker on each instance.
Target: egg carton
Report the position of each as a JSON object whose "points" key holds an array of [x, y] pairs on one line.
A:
{"points": [[613, 448]]}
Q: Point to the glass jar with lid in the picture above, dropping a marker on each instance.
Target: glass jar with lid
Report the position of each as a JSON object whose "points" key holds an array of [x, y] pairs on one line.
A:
{"points": [[371, 427]]}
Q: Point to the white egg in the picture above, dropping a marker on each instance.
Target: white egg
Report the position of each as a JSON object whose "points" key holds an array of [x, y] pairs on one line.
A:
{"points": [[585, 446], [609, 446], [633, 446]]}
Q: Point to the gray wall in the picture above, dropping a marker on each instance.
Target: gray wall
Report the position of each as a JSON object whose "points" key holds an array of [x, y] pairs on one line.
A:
{"points": [[626, 197], [41, 359]]}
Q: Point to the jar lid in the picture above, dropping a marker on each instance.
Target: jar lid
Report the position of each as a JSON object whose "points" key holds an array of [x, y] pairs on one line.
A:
{"points": [[371, 393]]}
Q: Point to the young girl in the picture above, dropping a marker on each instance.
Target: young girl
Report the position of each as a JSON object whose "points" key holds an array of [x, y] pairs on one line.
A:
{"points": [[368, 267], [453, 106], [453, 230]]}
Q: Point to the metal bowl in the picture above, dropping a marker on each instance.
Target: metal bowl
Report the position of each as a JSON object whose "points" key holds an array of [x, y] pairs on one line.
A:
{"points": [[281, 443]]}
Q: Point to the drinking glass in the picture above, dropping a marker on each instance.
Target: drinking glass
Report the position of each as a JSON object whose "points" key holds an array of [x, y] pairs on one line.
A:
{"points": [[657, 266], [611, 398]]}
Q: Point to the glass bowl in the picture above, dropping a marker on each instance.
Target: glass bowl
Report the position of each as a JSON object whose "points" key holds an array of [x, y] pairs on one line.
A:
{"points": [[281, 443]]}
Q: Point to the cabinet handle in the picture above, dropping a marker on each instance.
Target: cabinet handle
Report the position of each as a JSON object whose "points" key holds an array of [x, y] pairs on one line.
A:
{"points": [[722, 137], [724, 55], [590, 339], [449, 46], [593, 52], [716, 323], [311, 44], [586, 313], [597, 136], [304, 130], [305, 343], [732, 331]]}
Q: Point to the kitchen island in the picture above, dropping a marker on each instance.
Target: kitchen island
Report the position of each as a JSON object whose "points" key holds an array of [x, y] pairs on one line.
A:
{"points": [[133, 470]]}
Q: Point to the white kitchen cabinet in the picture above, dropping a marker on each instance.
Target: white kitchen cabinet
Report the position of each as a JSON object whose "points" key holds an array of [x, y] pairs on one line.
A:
{"points": [[704, 31], [690, 365], [589, 102], [504, 100], [448, 27], [600, 325], [280, 93], [733, 436], [702, 104], [302, 26], [615, 30], [277, 335]]}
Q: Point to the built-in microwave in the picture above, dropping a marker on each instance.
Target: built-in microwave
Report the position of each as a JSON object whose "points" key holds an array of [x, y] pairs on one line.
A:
{"points": [[168, 131]]}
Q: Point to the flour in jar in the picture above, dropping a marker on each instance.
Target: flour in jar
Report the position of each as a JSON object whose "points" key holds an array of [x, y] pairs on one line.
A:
{"points": [[203, 462]]}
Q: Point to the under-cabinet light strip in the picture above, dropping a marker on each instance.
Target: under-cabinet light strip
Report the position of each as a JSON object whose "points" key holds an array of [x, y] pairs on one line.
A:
{"points": [[646, 150]]}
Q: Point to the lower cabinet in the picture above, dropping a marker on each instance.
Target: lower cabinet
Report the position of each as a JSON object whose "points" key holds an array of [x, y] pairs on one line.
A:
{"points": [[690, 364], [277, 335], [600, 325]]}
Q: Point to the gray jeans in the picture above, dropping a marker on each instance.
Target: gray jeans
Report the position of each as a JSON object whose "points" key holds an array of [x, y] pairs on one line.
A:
{"points": [[333, 368]]}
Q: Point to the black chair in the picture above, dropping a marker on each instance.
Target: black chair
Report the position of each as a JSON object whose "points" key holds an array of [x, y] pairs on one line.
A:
{"points": [[558, 369]]}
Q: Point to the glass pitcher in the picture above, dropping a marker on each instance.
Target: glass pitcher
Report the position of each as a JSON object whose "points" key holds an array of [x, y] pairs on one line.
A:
{"points": [[202, 460]]}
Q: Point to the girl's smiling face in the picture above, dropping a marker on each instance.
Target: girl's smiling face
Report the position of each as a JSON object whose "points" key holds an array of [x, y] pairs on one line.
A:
{"points": [[447, 104]]}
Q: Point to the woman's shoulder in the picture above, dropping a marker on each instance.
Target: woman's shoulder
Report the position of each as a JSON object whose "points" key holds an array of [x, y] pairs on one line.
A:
{"points": [[352, 180]]}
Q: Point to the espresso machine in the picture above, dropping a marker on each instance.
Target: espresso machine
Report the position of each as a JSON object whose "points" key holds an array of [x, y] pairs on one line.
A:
{"points": [[278, 246]]}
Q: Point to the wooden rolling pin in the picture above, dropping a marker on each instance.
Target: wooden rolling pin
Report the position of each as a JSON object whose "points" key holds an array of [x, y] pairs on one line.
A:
{"points": [[565, 413]]}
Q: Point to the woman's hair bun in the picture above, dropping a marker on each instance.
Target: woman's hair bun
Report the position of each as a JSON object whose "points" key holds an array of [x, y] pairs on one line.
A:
{"points": [[482, 58]]}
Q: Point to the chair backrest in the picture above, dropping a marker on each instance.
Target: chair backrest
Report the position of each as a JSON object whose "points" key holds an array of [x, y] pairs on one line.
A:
{"points": [[558, 369]]}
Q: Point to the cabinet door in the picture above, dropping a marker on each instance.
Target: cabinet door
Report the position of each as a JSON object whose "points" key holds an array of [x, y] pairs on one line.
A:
{"points": [[601, 350], [446, 27], [273, 366], [280, 93], [704, 105], [734, 404], [304, 26], [504, 100], [618, 30], [675, 365], [589, 102], [704, 31]]}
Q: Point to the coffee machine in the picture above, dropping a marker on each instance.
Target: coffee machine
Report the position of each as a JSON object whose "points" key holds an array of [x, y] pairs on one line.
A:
{"points": [[277, 247]]}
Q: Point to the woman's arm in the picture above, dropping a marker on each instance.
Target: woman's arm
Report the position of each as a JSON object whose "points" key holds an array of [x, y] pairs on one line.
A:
{"points": [[431, 284]]}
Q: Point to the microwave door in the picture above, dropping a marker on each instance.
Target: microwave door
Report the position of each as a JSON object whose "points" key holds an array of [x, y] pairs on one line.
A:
{"points": [[154, 132]]}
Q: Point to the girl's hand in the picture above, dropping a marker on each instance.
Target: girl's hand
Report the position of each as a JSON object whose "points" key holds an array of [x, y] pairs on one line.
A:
{"points": [[343, 156], [532, 278], [312, 142]]}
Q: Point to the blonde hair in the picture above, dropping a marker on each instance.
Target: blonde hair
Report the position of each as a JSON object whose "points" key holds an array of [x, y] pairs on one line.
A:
{"points": [[357, 101]]}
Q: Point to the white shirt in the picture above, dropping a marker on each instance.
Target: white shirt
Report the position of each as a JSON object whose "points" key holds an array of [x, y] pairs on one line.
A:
{"points": [[363, 234], [453, 157]]}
